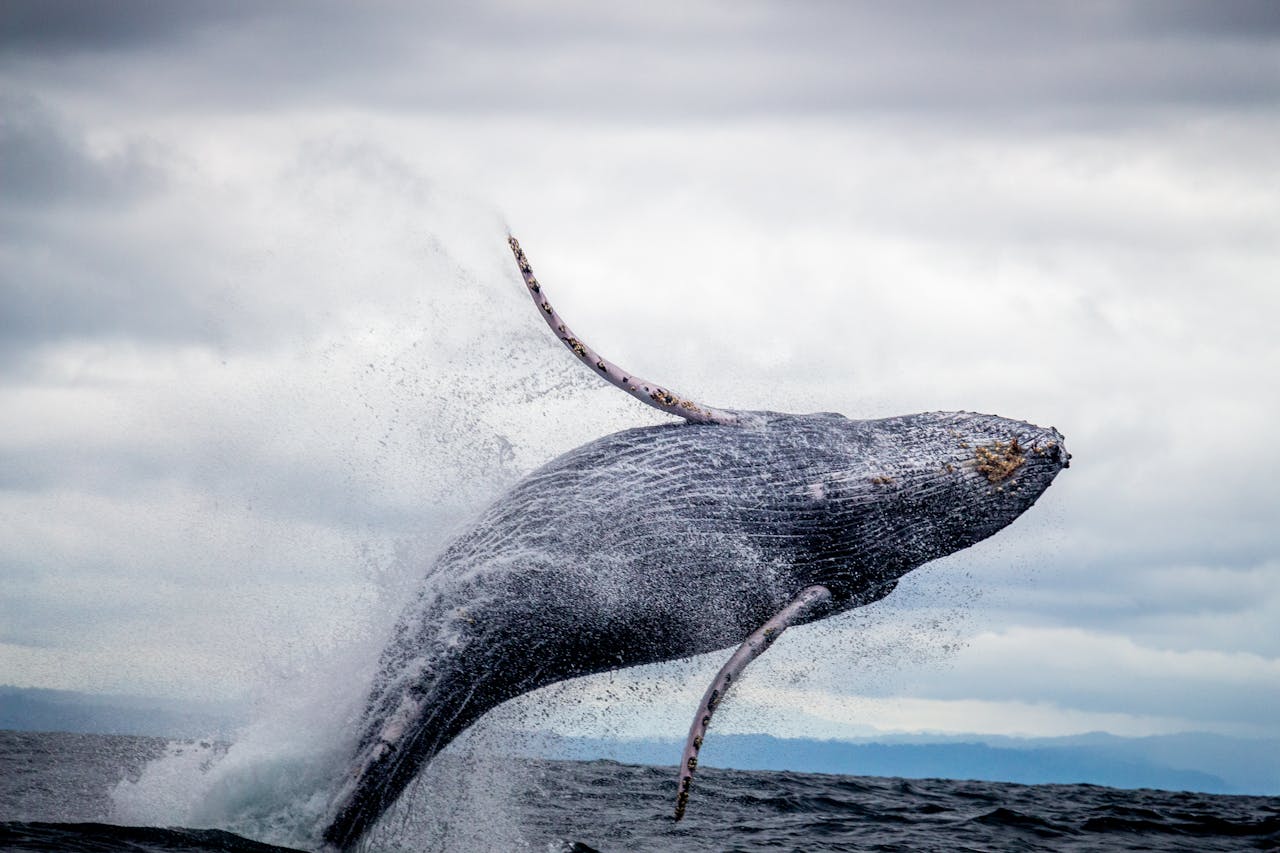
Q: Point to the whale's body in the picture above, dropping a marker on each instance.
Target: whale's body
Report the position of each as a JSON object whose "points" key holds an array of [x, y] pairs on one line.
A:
{"points": [[662, 542]]}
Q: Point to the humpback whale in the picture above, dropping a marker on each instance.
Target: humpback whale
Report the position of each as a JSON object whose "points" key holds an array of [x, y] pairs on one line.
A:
{"points": [[662, 542]]}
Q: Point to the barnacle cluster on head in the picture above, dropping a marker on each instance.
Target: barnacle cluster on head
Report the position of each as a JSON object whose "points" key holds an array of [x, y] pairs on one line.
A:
{"points": [[999, 460]]}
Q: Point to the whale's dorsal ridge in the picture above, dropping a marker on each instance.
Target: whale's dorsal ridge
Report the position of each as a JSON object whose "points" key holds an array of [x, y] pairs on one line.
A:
{"points": [[655, 395]]}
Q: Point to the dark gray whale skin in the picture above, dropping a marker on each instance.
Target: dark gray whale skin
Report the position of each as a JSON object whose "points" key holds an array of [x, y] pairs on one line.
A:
{"points": [[663, 542]]}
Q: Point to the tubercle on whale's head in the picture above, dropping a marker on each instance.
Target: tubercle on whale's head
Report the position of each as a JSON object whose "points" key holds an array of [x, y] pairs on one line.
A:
{"points": [[999, 467], [1012, 456]]}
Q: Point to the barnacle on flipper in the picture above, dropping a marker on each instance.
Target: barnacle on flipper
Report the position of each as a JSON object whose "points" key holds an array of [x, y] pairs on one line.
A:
{"points": [[664, 397], [999, 460]]}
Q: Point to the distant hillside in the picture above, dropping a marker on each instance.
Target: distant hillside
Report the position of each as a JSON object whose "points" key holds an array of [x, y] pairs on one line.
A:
{"points": [[1206, 763], [1185, 762], [30, 709]]}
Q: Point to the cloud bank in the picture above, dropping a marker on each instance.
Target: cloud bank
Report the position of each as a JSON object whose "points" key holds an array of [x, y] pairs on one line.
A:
{"points": [[261, 348]]}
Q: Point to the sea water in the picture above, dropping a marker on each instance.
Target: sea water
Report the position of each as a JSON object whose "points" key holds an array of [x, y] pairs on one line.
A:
{"points": [[59, 792]]}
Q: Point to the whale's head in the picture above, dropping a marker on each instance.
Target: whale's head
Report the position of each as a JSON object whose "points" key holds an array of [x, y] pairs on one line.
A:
{"points": [[886, 496]]}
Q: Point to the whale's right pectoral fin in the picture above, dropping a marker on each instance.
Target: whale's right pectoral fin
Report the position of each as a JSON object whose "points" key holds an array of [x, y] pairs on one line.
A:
{"points": [[809, 599]]}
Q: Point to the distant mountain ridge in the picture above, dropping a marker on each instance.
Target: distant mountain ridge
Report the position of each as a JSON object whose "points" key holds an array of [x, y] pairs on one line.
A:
{"points": [[1207, 763], [35, 709], [1192, 762]]}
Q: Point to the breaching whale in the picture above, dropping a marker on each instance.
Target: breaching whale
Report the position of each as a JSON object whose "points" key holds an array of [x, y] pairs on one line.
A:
{"points": [[663, 542]]}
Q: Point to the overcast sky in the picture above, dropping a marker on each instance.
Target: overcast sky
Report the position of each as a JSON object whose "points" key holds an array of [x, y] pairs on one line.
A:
{"points": [[262, 345]]}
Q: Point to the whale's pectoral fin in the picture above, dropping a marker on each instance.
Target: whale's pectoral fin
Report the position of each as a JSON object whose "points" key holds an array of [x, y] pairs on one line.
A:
{"points": [[809, 599], [648, 392]]}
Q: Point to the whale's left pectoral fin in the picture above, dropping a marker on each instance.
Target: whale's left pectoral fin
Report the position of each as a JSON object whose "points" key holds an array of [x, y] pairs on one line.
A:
{"points": [[809, 599]]}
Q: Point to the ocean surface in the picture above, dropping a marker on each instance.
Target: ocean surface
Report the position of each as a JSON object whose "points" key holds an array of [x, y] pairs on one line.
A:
{"points": [[64, 792]]}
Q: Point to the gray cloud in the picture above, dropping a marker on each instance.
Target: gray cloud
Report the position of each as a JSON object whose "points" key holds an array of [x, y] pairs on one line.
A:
{"points": [[70, 268], [65, 281], [125, 241], [1246, 19], [44, 161], [65, 26], [1015, 64], [1112, 674]]}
